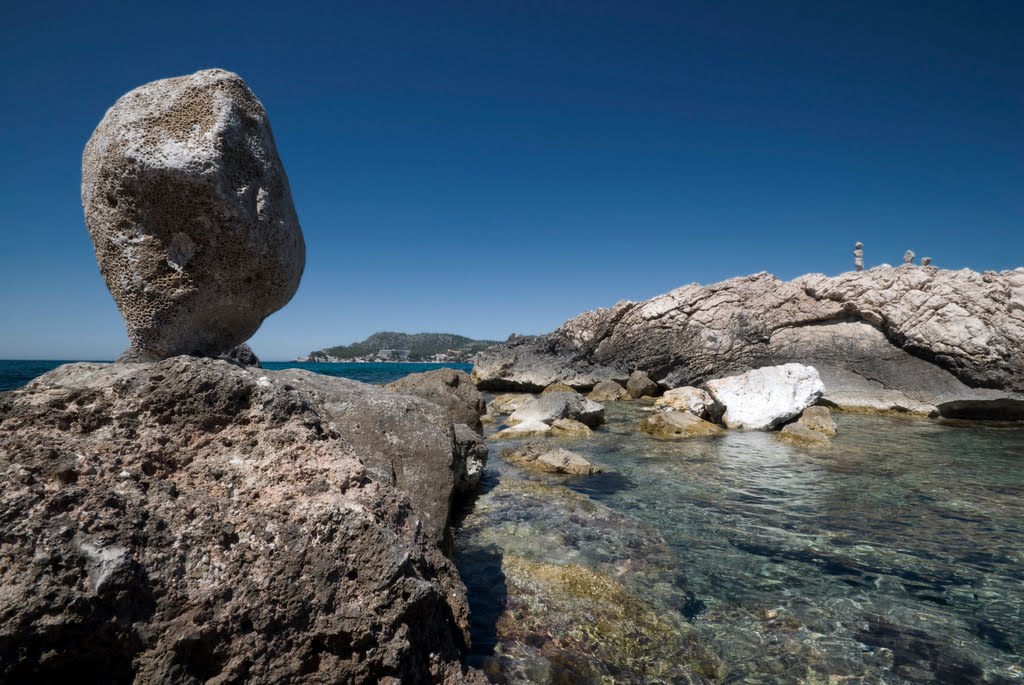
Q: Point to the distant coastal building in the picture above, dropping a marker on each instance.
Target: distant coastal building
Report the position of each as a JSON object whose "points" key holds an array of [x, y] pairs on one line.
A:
{"points": [[393, 354]]}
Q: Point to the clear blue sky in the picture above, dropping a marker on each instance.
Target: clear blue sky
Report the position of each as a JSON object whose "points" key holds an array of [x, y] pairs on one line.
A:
{"points": [[494, 167]]}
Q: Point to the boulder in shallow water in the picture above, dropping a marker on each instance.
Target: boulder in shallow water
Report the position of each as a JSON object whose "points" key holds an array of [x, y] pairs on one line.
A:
{"points": [[560, 405], [675, 424], [539, 457], [448, 388], [190, 214], [765, 398], [530, 428], [801, 434], [570, 428], [640, 385], [608, 391], [507, 403], [819, 419], [688, 399]]}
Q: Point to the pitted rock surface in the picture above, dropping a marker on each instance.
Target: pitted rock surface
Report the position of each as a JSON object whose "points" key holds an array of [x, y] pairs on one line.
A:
{"points": [[915, 339], [192, 521], [191, 215]]}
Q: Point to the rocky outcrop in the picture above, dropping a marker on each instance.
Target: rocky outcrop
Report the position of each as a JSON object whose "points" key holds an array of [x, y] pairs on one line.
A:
{"points": [[193, 521], [190, 213], [548, 459], [472, 458], [560, 405], [813, 429], [608, 391], [675, 424], [916, 339], [449, 388], [819, 419], [765, 398]]}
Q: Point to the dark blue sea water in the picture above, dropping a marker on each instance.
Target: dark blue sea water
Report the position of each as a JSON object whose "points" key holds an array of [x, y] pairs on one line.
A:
{"points": [[16, 373]]}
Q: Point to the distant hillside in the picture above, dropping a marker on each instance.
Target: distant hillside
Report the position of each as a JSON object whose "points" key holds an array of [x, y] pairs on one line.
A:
{"points": [[405, 347]]}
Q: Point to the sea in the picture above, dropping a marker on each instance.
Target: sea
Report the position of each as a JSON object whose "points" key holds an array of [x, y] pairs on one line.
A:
{"points": [[896, 557], [16, 373]]}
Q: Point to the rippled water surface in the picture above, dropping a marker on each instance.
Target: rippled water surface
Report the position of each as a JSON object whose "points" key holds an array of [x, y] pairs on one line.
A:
{"points": [[896, 557]]}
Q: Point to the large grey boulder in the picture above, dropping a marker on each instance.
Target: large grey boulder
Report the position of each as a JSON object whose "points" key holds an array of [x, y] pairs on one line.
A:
{"points": [[190, 214], [907, 339], [552, 406], [449, 388], [193, 521], [768, 397], [640, 385]]}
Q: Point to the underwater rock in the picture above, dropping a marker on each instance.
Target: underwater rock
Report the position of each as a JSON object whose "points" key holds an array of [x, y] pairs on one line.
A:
{"points": [[675, 424], [548, 459]]}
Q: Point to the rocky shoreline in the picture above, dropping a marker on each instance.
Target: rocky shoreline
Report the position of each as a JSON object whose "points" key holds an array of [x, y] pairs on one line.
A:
{"points": [[913, 339]]}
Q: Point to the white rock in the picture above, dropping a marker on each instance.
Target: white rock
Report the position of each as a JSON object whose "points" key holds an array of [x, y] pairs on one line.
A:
{"points": [[526, 429], [764, 398]]}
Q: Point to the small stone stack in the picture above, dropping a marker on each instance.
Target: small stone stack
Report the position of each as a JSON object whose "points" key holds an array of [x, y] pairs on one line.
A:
{"points": [[191, 215], [908, 257], [858, 256]]}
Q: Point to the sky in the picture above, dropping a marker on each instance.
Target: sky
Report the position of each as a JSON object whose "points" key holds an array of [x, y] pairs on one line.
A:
{"points": [[488, 168]]}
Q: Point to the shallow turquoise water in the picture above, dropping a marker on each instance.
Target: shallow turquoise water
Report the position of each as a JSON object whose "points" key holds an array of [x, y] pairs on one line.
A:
{"points": [[897, 557]]}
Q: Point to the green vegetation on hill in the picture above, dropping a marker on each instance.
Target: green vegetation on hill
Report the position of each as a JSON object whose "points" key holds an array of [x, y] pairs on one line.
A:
{"points": [[421, 347]]}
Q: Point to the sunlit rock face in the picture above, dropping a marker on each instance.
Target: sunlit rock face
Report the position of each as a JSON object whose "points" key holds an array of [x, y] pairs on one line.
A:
{"points": [[191, 215]]}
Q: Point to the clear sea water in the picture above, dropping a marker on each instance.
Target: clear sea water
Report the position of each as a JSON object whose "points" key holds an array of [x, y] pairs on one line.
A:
{"points": [[16, 373], [897, 557]]}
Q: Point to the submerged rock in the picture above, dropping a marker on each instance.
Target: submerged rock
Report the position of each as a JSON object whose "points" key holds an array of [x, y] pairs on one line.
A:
{"points": [[191, 216], [449, 388], [903, 339], [539, 457], [608, 391], [560, 405], [194, 521], [765, 398], [674, 424]]}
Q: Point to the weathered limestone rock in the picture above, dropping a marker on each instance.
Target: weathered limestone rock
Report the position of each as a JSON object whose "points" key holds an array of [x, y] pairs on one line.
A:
{"points": [[191, 216], [926, 261], [549, 459], [799, 433], [641, 385], [765, 398], [570, 428], [818, 419], [689, 399], [908, 257], [531, 428], [472, 458], [675, 424], [608, 391], [557, 387], [507, 403], [448, 388], [858, 256], [560, 405], [903, 339], [193, 521]]}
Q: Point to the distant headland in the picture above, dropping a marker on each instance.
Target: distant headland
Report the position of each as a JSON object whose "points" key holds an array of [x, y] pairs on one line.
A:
{"points": [[388, 346]]}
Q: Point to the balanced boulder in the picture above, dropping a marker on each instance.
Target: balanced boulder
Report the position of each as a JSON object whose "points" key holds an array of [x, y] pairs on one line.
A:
{"points": [[191, 215]]}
